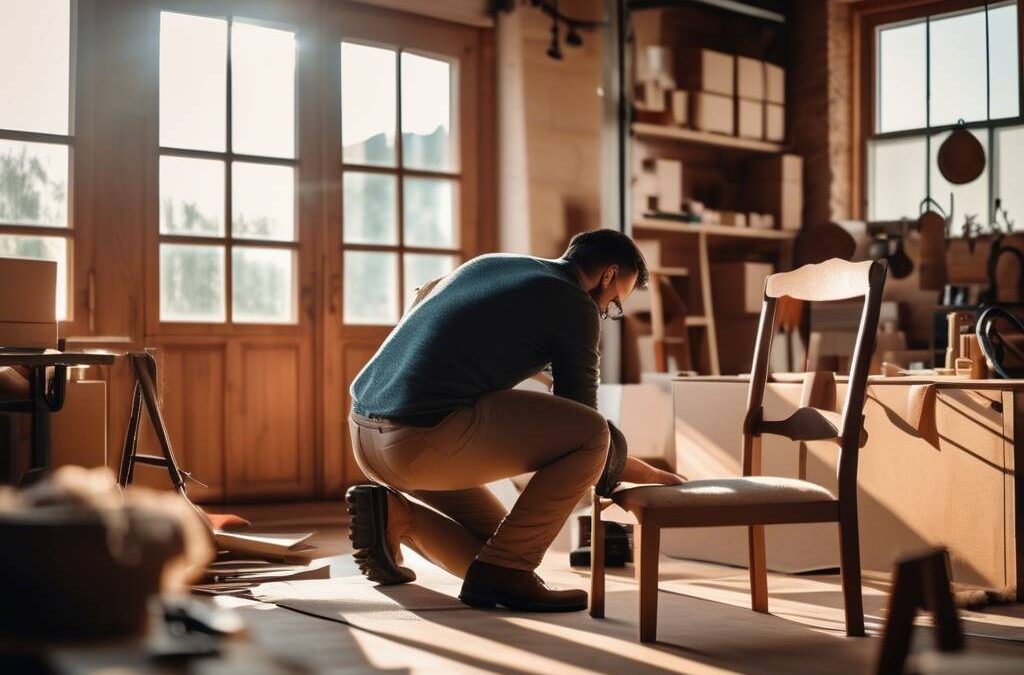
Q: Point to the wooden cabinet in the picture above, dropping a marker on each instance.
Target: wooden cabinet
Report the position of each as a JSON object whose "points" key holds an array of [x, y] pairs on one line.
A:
{"points": [[937, 469]]}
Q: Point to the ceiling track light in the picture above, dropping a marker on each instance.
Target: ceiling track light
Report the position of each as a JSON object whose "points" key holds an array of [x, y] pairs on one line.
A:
{"points": [[573, 26]]}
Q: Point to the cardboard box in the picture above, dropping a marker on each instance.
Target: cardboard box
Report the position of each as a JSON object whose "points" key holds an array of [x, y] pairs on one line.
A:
{"points": [[783, 167], [650, 97], [738, 288], [706, 70], [80, 428], [749, 119], [712, 112], [774, 185], [679, 107], [774, 83], [784, 201], [28, 303], [774, 122], [28, 290], [669, 176], [750, 78], [25, 335]]}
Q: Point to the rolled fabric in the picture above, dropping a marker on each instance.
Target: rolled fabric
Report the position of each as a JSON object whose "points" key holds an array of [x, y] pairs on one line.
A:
{"points": [[616, 462]]}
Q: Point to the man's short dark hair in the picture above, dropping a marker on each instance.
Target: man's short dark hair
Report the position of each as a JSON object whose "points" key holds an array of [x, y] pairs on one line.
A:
{"points": [[594, 249]]}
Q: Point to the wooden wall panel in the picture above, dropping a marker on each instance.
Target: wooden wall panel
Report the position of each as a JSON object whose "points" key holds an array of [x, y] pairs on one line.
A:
{"points": [[272, 452], [191, 381], [355, 355]]}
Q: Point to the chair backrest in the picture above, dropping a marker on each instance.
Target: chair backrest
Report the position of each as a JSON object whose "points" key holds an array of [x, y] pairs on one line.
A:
{"points": [[828, 281]]}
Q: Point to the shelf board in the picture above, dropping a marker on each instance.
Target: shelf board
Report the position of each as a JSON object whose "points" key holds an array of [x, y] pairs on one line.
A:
{"points": [[645, 130], [696, 320], [670, 271], [666, 225]]}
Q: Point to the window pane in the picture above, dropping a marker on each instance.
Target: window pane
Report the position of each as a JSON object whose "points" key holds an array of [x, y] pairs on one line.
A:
{"points": [[1003, 67], [370, 208], [896, 178], [968, 199], [901, 78], [427, 138], [421, 268], [44, 248], [192, 196], [262, 91], [431, 212], [33, 183], [368, 104], [371, 287], [262, 285], [957, 72], [193, 81], [1010, 172], [191, 283], [263, 201], [35, 50]]}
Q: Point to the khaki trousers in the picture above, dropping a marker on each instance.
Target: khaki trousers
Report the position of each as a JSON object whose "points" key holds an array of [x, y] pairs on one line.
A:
{"points": [[504, 434]]}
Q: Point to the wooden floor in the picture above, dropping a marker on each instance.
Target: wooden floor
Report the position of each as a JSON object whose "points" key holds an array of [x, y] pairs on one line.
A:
{"points": [[705, 625]]}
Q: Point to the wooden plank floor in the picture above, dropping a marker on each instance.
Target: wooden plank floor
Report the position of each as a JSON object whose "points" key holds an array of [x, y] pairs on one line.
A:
{"points": [[705, 625]]}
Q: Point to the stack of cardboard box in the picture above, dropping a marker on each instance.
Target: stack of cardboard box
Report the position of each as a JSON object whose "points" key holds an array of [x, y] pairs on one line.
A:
{"points": [[28, 309], [710, 77]]}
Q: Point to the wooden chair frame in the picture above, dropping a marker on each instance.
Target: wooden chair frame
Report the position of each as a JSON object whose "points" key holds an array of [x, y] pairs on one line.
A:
{"points": [[831, 280]]}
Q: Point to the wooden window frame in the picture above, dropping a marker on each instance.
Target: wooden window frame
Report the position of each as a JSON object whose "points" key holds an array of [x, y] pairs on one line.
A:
{"points": [[866, 17], [400, 172], [429, 37], [229, 240], [299, 16], [69, 232]]}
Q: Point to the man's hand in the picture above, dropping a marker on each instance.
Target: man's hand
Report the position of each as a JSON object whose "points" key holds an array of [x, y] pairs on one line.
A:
{"points": [[639, 471]]}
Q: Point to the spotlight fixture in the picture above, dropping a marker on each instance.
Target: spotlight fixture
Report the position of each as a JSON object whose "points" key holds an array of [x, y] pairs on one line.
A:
{"points": [[573, 26], [572, 37]]}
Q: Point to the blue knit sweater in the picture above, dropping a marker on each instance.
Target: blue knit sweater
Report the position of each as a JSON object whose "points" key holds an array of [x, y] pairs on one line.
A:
{"points": [[490, 324]]}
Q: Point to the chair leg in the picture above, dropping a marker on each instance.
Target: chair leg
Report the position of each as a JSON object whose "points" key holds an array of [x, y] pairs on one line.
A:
{"points": [[758, 569], [849, 567], [647, 540], [596, 560]]}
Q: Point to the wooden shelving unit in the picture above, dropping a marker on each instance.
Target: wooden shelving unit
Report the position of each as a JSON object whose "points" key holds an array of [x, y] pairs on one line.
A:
{"points": [[662, 132], [729, 26], [704, 233]]}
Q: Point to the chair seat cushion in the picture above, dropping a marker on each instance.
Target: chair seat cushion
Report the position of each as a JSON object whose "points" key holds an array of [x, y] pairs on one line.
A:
{"points": [[747, 491]]}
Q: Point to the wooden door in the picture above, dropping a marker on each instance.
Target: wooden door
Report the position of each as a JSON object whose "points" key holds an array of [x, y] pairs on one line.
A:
{"points": [[404, 200], [230, 263]]}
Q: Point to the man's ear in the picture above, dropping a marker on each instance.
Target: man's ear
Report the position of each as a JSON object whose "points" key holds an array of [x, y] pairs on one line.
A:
{"points": [[609, 274]]}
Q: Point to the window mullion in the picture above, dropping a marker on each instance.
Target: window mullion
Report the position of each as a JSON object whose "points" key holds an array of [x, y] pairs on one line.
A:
{"points": [[228, 196], [400, 178]]}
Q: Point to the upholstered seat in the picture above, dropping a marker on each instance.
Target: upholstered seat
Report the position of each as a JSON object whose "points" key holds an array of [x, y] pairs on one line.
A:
{"points": [[748, 491]]}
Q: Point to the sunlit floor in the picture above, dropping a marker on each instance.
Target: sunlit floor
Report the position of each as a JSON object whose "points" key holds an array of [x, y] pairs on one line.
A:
{"points": [[705, 624]]}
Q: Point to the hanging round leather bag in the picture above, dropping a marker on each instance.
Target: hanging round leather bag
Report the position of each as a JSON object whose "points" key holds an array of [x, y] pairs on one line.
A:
{"points": [[961, 158]]}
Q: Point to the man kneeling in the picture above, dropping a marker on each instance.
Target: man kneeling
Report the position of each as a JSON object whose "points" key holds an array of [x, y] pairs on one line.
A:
{"points": [[434, 416]]}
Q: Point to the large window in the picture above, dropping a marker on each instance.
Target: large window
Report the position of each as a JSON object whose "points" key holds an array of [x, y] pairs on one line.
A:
{"points": [[228, 234], [930, 73], [36, 136], [400, 184]]}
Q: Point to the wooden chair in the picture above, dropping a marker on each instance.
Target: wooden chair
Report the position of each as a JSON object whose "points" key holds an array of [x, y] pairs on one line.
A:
{"points": [[754, 500]]}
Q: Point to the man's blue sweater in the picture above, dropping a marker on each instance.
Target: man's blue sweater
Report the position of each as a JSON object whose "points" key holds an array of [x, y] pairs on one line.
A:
{"points": [[490, 324]]}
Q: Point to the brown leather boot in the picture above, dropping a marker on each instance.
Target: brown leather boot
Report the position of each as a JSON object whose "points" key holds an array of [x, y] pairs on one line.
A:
{"points": [[377, 556], [488, 585]]}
